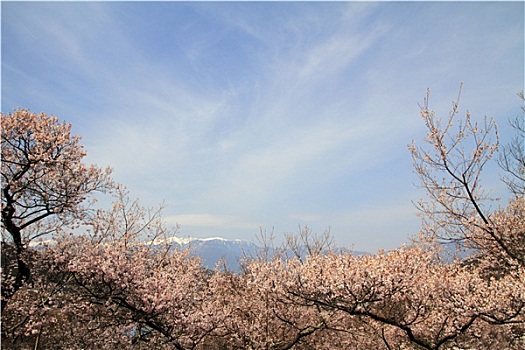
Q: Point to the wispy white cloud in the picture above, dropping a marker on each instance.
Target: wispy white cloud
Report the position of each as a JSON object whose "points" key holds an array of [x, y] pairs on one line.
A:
{"points": [[245, 114]]}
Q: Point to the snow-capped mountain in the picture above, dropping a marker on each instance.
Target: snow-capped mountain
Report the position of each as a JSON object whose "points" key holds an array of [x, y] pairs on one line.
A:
{"points": [[215, 249]]}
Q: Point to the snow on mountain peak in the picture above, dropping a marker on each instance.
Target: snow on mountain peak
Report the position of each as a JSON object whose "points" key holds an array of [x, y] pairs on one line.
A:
{"points": [[189, 239]]}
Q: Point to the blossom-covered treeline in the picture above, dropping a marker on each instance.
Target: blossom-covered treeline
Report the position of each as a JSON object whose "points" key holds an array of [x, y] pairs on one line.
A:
{"points": [[107, 279]]}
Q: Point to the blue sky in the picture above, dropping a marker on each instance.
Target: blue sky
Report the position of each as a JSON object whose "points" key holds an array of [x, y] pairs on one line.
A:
{"points": [[270, 114]]}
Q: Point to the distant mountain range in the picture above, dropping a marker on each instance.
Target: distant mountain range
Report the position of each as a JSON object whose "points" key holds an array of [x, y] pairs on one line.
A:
{"points": [[232, 252], [215, 249]]}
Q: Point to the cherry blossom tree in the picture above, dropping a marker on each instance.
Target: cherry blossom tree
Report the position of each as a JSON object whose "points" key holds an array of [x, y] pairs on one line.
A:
{"points": [[44, 184], [512, 156], [450, 170], [121, 284], [259, 314], [411, 298]]}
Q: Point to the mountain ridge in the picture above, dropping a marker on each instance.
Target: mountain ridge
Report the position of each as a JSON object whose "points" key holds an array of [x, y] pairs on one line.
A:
{"points": [[229, 252]]}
